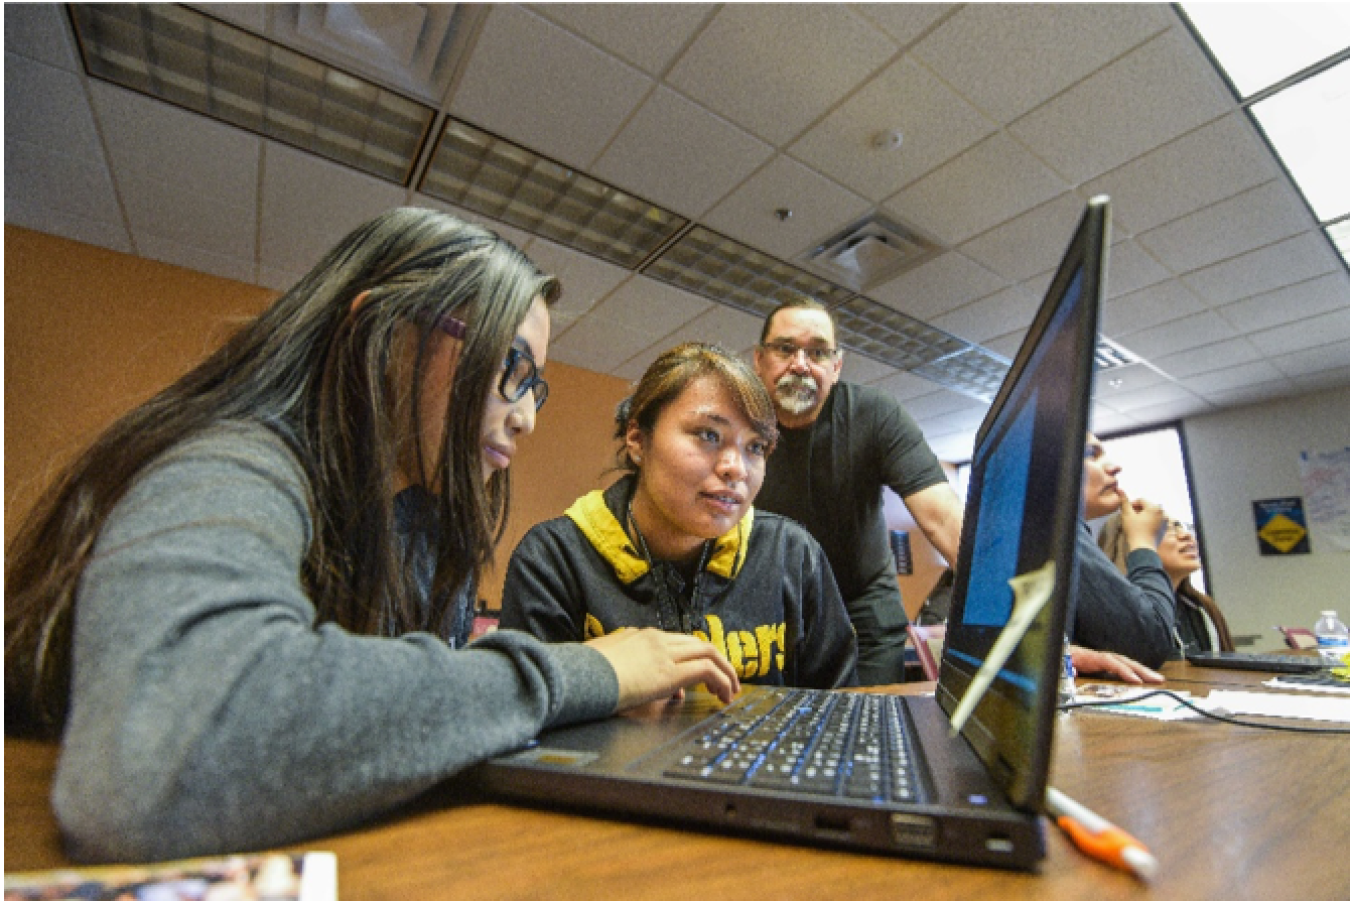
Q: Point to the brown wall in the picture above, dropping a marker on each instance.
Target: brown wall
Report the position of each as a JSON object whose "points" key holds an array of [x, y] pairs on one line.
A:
{"points": [[90, 333]]}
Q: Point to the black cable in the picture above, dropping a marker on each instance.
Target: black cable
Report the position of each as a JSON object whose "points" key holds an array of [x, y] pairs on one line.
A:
{"points": [[1200, 710]]}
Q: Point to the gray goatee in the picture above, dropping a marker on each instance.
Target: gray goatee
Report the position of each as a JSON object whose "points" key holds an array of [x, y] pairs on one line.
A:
{"points": [[796, 394]]}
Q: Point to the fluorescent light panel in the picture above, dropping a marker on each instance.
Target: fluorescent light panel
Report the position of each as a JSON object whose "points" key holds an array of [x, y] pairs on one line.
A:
{"points": [[890, 336], [728, 272], [1261, 44], [187, 59], [484, 173], [1308, 124]]}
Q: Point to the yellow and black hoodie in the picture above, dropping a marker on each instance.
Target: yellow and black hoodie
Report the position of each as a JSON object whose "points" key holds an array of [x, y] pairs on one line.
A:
{"points": [[766, 597]]}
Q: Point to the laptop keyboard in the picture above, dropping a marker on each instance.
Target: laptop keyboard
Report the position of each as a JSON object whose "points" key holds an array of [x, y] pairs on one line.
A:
{"points": [[805, 741]]}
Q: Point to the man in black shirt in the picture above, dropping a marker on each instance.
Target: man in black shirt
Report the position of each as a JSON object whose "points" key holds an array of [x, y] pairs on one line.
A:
{"points": [[839, 445]]}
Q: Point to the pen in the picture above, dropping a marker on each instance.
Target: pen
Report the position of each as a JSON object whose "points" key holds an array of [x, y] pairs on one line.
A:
{"points": [[1099, 838]]}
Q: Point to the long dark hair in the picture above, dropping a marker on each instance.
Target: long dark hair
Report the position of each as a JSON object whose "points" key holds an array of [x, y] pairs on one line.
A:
{"points": [[322, 374]]}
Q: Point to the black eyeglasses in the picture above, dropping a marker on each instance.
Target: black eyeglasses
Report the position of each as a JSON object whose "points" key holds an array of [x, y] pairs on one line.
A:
{"points": [[786, 350], [520, 374]]}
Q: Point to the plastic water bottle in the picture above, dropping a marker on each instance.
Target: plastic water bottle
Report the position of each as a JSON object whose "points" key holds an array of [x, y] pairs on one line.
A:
{"points": [[1333, 639], [1067, 689]]}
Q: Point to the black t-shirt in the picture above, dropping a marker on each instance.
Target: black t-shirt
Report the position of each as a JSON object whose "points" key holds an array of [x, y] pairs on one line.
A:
{"points": [[829, 475]]}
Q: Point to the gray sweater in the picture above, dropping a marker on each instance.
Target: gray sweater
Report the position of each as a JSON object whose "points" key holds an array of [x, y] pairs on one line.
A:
{"points": [[210, 714]]}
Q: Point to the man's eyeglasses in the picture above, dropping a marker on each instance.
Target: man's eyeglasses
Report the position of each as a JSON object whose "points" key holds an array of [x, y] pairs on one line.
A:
{"points": [[786, 350], [1175, 525], [520, 374]]}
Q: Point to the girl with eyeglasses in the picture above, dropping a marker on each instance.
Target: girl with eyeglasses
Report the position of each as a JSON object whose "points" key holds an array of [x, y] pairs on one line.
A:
{"points": [[1200, 624], [241, 608], [676, 543]]}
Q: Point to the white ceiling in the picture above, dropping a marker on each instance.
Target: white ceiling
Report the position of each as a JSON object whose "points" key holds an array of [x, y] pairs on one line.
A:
{"points": [[1012, 116]]}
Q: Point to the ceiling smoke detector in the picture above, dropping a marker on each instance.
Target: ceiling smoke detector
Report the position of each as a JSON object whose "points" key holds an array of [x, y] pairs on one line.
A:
{"points": [[869, 252]]}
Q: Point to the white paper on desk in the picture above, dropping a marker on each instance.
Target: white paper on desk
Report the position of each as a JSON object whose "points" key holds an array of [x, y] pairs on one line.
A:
{"points": [[1285, 685], [1156, 707], [1299, 707], [1030, 592]]}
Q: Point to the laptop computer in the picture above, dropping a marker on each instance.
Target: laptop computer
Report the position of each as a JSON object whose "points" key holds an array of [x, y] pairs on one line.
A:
{"points": [[917, 789]]}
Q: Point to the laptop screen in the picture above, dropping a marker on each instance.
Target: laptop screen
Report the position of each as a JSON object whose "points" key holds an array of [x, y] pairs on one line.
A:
{"points": [[1021, 512]]}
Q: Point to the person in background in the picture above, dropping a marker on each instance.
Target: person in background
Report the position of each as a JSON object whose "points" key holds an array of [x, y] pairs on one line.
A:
{"points": [[1131, 615], [1200, 624], [240, 607], [676, 542], [840, 445]]}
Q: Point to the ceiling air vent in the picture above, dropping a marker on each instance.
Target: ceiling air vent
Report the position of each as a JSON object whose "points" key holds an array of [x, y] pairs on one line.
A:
{"points": [[414, 48], [1110, 355], [869, 252]]}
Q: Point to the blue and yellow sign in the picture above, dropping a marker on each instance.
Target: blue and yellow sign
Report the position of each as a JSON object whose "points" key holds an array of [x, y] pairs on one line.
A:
{"points": [[1281, 527]]}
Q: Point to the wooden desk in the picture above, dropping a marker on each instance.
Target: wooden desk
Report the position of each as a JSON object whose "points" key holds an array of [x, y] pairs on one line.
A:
{"points": [[1231, 813]]}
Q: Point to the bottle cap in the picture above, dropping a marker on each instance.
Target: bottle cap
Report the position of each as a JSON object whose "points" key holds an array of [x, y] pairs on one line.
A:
{"points": [[1330, 613]]}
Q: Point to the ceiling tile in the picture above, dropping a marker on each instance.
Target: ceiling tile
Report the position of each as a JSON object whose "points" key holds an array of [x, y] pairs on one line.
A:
{"points": [[1130, 268], [1208, 383], [940, 403], [166, 213], [1032, 243], [1329, 328], [1180, 334], [904, 21], [40, 31], [1153, 396], [46, 107], [1227, 229], [1159, 91], [1126, 379], [819, 208], [676, 154], [1293, 260], [1163, 302], [1252, 394], [309, 204], [1315, 359], [646, 35], [597, 344], [864, 370], [1173, 410], [176, 149], [938, 286], [586, 280], [1213, 162], [997, 314], [1105, 421], [650, 307], [565, 98], [1038, 49], [1319, 295], [935, 124], [964, 422], [906, 386], [44, 186], [1219, 355], [733, 329], [776, 68], [983, 187], [1325, 378], [1007, 345]]}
